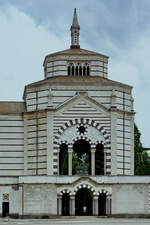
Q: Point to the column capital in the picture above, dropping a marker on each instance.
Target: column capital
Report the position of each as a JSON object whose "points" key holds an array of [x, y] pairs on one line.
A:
{"points": [[70, 150], [93, 146], [93, 150], [59, 196], [72, 197], [109, 197], [95, 197]]}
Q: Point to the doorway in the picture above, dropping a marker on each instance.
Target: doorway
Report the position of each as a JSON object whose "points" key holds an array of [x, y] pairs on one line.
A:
{"points": [[65, 204], [102, 205], [5, 209], [83, 202]]}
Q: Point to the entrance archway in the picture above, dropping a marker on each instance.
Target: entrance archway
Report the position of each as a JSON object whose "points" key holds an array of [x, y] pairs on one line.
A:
{"points": [[102, 204], [65, 204], [82, 150], [83, 202], [99, 160]]}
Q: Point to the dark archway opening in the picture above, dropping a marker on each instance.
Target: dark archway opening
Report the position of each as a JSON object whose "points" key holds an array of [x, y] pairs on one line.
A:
{"points": [[72, 70], [80, 71], [102, 205], [63, 160], [83, 202], [88, 71], [81, 149], [99, 160], [84, 71], [76, 70], [5, 209], [69, 70], [65, 204]]}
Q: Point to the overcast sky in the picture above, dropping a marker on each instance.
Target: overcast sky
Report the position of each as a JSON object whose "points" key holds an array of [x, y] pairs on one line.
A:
{"points": [[31, 29]]}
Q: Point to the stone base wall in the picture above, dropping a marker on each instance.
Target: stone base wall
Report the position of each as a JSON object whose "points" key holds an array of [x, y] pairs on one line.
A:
{"points": [[129, 199], [37, 198]]}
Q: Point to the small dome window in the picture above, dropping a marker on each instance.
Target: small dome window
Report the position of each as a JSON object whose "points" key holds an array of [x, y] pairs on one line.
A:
{"points": [[78, 69]]}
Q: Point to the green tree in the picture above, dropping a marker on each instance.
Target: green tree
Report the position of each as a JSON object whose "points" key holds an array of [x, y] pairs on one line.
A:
{"points": [[64, 164], [141, 159], [74, 162]]}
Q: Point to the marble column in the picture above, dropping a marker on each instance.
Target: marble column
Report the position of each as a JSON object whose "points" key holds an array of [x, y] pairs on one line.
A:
{"points": [[113, 142], [95, 205], [72, 205], [93, 161], [108, 205], [70, 161], [59, 205], [21, 200]]}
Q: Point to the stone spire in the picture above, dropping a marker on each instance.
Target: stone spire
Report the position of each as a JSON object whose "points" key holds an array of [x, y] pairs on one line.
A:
{"points": [[75, 28]]}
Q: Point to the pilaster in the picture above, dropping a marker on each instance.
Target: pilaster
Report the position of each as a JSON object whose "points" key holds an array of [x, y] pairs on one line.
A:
{"points": [[132, 145], [108, 205], [59, 205], [105, 150], [95, 205], [50, 146], [113, 142], [21, 200], [25, 147], [72, 205]]}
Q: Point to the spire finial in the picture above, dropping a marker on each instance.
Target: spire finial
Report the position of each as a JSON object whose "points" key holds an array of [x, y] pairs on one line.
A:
{"points": [[75, 28]]}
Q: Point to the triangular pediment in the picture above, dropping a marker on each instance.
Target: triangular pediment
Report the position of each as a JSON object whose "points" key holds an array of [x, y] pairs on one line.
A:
{"points": [[82, 99], [84, 180]]}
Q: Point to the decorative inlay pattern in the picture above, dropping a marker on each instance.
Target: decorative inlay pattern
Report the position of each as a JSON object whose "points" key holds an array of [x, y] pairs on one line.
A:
{"points": [[94, 133]]}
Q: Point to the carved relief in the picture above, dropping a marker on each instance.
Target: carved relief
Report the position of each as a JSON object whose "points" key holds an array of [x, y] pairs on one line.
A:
{"points": [[5, 197]]}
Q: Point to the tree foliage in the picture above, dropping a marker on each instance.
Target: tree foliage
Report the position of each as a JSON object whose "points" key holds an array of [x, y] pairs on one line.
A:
{"points": [[141, 159], [64, 164]]}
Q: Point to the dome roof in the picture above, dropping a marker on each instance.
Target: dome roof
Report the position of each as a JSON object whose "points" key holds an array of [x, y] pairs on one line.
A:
{"points": [[75, 51]]}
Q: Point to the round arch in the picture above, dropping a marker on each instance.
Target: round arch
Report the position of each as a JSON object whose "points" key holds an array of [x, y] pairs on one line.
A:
{"points": [[83, 122], [68, 134], [84, 185]]}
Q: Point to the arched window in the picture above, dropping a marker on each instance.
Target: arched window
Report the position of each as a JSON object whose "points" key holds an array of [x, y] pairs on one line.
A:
{"points": [[76, 70], [63, 160], [72, 70], [88, 70], [80, 71], [99, 160], [69, 71], [84, 71]]}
